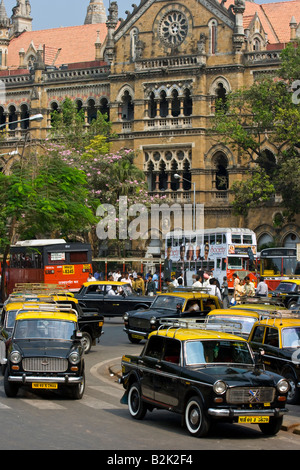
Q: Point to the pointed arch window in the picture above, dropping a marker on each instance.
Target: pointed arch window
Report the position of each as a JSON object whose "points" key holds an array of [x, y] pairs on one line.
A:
{"points": [[213, 36]]}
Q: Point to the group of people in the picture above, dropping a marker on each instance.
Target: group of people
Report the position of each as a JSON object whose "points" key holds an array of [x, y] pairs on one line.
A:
{"points": [[246, 288], [141, 285]]}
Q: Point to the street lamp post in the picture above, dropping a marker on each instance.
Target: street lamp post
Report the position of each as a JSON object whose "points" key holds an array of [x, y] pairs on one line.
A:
{"points": [[194, 201], [35, 117]]}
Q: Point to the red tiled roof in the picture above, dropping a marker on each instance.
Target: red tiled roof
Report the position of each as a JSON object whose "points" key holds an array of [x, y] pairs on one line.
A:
{"points": [[77, 44], [250, 9], [280, 15]]}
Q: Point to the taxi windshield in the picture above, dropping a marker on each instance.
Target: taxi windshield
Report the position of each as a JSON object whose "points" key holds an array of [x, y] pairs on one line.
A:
{"points": [[216, 352], [167, 302], [245, 322], [287, 287], [291, 337], [44, 328]]}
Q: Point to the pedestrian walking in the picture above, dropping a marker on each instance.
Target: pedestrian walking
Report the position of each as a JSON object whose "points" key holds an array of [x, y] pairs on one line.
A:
{"points": [[150, 286], [262, 288], [225, 292]]}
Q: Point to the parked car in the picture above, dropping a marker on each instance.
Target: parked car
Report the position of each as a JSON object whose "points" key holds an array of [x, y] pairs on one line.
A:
{"points": [[46, 353], [99, 295], [280, 340], [206, 376], [243, 318], [139, 324], [288, 291], [90, 321]]}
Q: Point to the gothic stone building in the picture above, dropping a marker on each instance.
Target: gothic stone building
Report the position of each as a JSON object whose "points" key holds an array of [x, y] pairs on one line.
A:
{"points": [[157, 73]]}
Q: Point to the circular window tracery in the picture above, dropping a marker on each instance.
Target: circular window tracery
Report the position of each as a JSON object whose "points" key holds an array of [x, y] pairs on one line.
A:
{"points": [[173, 28]]}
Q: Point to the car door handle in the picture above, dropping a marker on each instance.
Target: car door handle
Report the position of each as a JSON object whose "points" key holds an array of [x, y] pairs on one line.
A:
{"points": [[158, 366]]}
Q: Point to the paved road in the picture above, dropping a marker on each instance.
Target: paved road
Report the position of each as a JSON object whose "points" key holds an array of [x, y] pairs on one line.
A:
{"points": [[100, 422]]}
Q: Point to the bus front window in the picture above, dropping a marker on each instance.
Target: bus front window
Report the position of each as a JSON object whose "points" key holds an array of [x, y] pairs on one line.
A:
{"points": [[234, 262]]}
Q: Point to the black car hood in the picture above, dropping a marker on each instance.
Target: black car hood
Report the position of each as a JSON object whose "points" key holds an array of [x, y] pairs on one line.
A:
{"points": [[41, 348], [238, 375], [152, 312]]}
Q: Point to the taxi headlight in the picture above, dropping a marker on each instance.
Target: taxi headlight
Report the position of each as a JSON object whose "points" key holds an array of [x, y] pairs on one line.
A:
{"points": [[125, 317], [283, 386], [74, 357], [152, 320], [15, 357], [219, 387]]}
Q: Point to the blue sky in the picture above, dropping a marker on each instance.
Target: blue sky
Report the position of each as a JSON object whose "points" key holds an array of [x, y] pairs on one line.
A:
{"points": [[55, 13]]}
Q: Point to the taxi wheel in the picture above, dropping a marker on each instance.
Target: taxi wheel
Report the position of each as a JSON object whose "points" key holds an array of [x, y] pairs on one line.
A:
{"points": [[137, 408], [133, 340], [293, 395], [86, 342], [273, 427], [196, 421], [77, 390], [11, 389]]}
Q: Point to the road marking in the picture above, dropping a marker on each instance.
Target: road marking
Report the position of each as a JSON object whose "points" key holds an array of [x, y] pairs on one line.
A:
{"points": [[43, 404], [112, 391], [4, 407], [97, 404]]}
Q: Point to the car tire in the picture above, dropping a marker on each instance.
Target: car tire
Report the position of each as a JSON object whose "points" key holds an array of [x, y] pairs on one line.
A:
{"points": [[137, 408], [197, 423], [293, 395], [77, 390], [11, 389], [86, 342], [292, 304], [273, 427], [133, 340]]}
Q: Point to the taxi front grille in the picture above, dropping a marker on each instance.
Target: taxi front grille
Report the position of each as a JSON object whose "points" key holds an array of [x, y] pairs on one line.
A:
{"points": [[255, 395], [45, 364], [139, 323]]}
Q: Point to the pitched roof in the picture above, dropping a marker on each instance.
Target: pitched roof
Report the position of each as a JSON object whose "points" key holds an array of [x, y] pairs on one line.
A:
{"points": [[250, 9], [280, 15], [77, 44]]}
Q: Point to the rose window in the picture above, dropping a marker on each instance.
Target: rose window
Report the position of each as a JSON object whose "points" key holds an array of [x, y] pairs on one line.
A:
{"points": [[173, 28]]}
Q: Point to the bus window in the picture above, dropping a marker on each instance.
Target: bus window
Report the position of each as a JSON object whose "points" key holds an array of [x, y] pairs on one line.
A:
{"points": [[247, 239], [224, 238], [219, 239], [234, 263], [212, 239], [236, 238], [223, 264], [78, 257]]}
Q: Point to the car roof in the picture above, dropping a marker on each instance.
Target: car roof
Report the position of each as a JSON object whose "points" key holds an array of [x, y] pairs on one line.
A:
{"points": [[32, 315], [294, 281], [184, 334], [280, 322], [234, 312], [254, 307], [188, 295], [104, 283]]}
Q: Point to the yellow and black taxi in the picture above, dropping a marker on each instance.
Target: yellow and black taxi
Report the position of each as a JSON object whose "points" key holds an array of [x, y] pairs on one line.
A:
{"points": [[45, 353], [138, 324], [244, 319], [288, 291], [206, 376], [90, 321], [279, 337], [111, 298]]}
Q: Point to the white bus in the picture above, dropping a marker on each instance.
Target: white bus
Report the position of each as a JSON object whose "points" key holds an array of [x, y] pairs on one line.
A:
{"points": [[222, 250]]}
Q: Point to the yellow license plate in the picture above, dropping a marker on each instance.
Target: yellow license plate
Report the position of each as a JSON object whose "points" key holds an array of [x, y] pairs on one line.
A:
{"points": [[253, 419], [68, 269], [137, 336], [48, 386]]}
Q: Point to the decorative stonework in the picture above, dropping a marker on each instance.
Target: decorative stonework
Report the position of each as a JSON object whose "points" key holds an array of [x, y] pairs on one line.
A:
{"points": [[173, 25]]}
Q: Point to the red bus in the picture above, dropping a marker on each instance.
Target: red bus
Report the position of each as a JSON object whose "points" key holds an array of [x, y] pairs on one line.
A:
{"points": [[49, 261]]}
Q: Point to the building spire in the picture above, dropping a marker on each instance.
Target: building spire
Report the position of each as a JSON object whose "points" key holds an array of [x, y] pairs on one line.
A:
{"points": [[21, 19], [4, 20], [95, 12]]}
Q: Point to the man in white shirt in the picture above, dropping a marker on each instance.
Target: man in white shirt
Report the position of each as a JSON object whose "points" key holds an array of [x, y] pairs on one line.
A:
{"points": [[262, 288]]}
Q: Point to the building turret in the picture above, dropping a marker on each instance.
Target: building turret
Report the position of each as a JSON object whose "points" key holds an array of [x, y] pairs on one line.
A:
{"points": [[21, 19], [95, 12], [4, 36]]}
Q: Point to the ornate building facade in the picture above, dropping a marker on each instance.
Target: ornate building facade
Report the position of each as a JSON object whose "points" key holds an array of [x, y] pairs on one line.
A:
{"points": [[157, 73]]}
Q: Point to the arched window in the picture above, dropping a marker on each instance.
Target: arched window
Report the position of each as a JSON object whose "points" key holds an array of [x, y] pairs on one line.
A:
{"points": [[127, 107], [221, 173], [152, 106], [2, 116], [163, 104], [187, 103], [175, 104], [221, 99], [91, 111], [53, 110], [150, 176], [212, 25], [24, 115], [12, 117], [163, 176], [104, 107]]}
